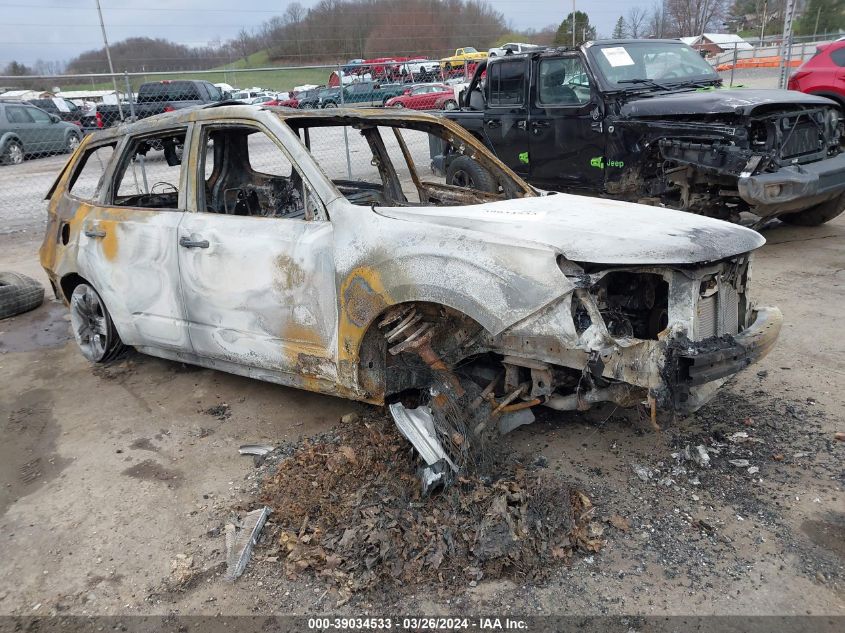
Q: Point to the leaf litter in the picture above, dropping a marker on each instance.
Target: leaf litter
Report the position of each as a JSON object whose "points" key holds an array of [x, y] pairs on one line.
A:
{"points": [[347, 508]]}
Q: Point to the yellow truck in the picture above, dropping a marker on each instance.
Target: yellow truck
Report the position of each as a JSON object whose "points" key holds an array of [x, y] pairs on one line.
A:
{"points": [[467, 53]]}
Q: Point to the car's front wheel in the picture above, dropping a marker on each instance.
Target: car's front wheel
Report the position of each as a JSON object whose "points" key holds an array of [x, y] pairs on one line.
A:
{"points": [[13, 154], [329, 104], [92, 325], [72, 142], [818, 214]]}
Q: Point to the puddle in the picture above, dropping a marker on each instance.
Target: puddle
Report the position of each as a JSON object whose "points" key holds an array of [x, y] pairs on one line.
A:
{"points": [[27, 454], [149, 470], [42, 328], [829, 535]]}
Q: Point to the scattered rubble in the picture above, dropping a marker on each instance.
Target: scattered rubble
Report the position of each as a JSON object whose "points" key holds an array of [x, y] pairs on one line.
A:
{"points": [[349, 509]]}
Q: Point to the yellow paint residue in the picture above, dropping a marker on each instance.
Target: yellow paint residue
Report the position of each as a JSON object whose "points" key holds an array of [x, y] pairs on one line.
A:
{"points": [[109, 242], [362, 298]]}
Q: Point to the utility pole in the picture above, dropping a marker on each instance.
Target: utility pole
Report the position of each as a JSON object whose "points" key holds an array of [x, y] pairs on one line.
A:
{"points": [[108, 56], [763, 21], [818, 15], [573, 23]]}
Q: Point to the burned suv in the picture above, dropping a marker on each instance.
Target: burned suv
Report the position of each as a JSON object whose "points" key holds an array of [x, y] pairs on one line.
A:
{"points": [[265, 249], [648, 121]]}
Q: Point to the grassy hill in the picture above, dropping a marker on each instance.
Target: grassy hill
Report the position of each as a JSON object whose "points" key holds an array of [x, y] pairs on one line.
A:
{"points": [[239, 74]]}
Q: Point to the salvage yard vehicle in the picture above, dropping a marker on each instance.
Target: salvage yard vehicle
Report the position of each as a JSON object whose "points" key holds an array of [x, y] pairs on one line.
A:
{"points": [[360, 94], [647, 121], [425, 97], [260, 251], [462, 55], [155, 97], [29, 131]]}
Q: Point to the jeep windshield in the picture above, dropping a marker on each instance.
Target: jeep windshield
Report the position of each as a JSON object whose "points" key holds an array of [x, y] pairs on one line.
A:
{"points": [[651, 65]]}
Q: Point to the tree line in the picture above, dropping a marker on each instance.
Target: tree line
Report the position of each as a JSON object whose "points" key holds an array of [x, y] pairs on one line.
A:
{"points": [[337, 30]]}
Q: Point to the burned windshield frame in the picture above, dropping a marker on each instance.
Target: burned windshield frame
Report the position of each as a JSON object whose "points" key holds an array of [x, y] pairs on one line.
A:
{"points": [[637, 51]]}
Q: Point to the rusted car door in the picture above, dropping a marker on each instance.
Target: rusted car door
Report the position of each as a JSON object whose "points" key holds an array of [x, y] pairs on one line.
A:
{"points": [[258, 275], [127, 242]]}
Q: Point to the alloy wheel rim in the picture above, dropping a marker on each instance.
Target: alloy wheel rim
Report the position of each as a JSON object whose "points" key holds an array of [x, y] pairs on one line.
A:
{"points": [[16, 154], [88, 320]]}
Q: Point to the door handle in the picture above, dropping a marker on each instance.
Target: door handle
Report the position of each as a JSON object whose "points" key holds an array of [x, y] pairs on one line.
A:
{"points": [[538, 124], [492, 123], [522, 125], [189, 243], [597, 126], [95, 233]]}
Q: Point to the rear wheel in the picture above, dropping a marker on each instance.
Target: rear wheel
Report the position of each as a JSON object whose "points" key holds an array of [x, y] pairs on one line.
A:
{"points": [[92, 325], [13, 155], [465, 172], [819, 214], [329, 104]]}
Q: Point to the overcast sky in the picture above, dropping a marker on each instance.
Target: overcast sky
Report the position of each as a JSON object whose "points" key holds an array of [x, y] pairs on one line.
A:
{"points": [[57, 30]]}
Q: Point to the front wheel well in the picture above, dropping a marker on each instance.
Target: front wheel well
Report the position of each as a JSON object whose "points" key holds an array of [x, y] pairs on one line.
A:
{"points": [[455, 337]]}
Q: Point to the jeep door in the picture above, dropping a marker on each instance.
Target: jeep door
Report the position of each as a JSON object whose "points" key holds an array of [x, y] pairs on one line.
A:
{"points": [[127, 241], [566, 137], [506, 112], [257, 259]]}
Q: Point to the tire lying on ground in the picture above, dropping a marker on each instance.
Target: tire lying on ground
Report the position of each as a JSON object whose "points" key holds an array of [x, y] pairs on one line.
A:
{"points": [[465, 172], [819, 214], [18, 293]]}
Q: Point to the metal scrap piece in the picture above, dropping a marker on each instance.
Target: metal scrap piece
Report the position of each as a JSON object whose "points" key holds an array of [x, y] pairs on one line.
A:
{"points": [[239, 542], [417, 425], [256, 449]]}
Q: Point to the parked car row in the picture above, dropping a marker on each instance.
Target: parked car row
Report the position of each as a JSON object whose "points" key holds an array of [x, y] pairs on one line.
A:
{"points": [[26, 130]]}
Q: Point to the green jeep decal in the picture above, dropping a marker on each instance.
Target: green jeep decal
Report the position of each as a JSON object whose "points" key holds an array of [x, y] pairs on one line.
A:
{"points": [[598, 163], [523, 158]]}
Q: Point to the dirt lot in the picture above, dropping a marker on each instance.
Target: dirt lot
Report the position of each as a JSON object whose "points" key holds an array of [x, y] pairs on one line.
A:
{"points": [[112, 476]]}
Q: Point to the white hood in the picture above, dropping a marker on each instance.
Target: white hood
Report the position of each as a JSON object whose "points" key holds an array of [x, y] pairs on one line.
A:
{"points": [[596, 230]]}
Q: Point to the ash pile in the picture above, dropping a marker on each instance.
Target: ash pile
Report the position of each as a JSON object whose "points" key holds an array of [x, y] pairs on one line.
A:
{"points": [[349, 508]]}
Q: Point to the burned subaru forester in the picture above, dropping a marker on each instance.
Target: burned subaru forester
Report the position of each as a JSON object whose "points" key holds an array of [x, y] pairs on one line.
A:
{"points": [[317, 250]]}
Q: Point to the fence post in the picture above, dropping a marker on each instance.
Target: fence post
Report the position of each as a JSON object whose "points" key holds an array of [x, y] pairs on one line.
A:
{"points": [[733, 67], [129, 95], [345, 132]]}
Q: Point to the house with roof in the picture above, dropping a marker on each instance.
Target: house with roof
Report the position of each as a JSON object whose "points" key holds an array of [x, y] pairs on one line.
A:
{"points": [[715, 43]]}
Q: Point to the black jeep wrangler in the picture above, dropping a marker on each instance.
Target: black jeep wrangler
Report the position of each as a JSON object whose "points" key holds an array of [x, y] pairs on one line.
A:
{"points": [[648, 121]]}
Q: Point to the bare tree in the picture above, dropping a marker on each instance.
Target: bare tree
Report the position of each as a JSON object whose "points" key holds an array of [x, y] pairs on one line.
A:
{"points": [[693, 17], [636, 22]]}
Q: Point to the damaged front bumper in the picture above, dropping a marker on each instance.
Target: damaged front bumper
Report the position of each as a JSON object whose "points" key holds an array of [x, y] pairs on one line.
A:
{"points": [[696, 370], [795, 187]]}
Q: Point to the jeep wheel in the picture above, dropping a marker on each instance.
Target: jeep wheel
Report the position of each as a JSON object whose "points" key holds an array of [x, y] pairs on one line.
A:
{"points": [[465, 172], [819, 214], [92, 325], [13, 154]]}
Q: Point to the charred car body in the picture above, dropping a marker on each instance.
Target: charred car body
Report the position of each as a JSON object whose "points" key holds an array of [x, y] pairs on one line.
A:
{"points": [[648, 121], [259, 251]]}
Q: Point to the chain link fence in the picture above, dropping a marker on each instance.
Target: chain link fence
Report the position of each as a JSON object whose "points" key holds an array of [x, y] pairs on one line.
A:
{"points": [[40, 128]]}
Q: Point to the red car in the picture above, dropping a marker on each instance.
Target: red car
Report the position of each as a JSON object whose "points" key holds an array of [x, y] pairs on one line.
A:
{"points": [[823, 74], [287, 103], [425, 97]]}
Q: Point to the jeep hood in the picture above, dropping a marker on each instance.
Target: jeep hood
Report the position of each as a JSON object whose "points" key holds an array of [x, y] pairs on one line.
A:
{"points": [[594, 230], [716, 101]]}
